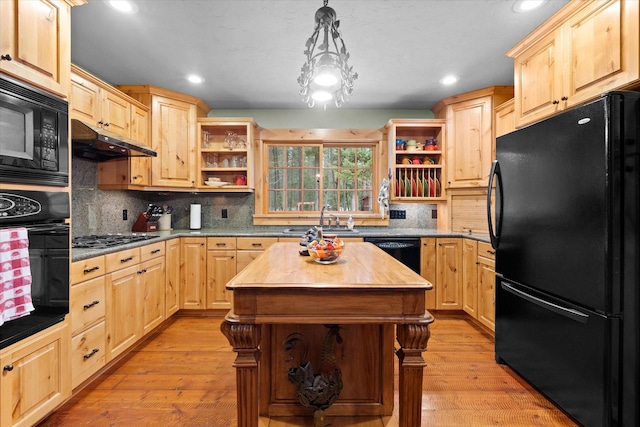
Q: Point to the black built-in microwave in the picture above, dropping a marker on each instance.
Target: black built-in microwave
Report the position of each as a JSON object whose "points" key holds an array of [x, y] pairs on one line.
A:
{"points": [[34, 135]]}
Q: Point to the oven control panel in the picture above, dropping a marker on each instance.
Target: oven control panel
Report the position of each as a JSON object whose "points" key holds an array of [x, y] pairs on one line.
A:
{"points": [[16, 206]]}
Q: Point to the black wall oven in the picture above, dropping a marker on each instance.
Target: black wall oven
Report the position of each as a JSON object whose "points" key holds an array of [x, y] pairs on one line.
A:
{"points": [[34, 135], [44, 216]]}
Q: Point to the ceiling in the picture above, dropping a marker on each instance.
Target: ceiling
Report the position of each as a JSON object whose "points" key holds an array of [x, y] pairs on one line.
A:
{"points": [[250, 51]]}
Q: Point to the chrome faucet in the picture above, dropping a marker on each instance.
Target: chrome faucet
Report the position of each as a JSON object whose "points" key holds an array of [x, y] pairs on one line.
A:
{"points": [[322, 214], [337, 220]]}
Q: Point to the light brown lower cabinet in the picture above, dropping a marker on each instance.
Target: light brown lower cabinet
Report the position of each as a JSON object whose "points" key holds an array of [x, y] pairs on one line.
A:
{"points": [[478, 292], [449, 273], [221, 267], [193, 270], [35, 376], [172, 277], [486, 285]]}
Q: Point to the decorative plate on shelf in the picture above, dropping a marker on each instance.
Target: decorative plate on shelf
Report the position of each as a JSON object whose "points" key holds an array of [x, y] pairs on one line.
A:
{"points": [[216, 183]]}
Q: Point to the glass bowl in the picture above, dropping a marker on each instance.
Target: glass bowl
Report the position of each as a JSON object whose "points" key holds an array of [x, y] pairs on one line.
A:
{"points": [[325, 251]]}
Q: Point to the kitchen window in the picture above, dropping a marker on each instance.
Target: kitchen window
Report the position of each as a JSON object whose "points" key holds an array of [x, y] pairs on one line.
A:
{"points": [[307, 177], [300, 177]]}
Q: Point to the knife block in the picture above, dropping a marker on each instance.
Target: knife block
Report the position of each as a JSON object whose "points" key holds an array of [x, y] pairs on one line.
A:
{"points": [[143, 224]]}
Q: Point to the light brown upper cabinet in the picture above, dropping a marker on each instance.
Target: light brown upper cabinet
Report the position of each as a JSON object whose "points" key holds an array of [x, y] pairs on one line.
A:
{"points": [[585, 49], [173, 134], [99, 104], [470, 139], [35, 39]]}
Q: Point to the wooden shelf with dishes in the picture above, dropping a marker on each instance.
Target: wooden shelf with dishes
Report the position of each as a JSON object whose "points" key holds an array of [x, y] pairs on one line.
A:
{"points": [[416, 164], [225, 154]]}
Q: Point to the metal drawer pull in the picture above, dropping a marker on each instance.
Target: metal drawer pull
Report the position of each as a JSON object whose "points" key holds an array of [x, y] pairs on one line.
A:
{"points": [[92, 269], [88, 306], [144, 270], [126, 259], [88, 355], [221, 244], [155, 251], [256, 244], [8, 368]]}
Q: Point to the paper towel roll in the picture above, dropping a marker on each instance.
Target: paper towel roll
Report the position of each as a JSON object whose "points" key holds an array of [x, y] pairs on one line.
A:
{"points": [[194, 222]]}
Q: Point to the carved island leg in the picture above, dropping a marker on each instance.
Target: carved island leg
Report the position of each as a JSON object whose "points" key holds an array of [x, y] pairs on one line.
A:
{"points": [[245, 339], [413, 341]]}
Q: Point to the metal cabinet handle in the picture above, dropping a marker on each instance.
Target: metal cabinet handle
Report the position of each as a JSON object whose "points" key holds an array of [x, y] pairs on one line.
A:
{"points": [[564, 98], [257, 245], [88, 306], [88, 355], [144, 270], [155, 251], [8, 368], [92, 269], [221, 244], [6, 57], [555, 101], [126, 259]]}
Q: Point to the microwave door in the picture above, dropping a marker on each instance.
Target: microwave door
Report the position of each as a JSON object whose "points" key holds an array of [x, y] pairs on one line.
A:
{"points": [[17, 129]]}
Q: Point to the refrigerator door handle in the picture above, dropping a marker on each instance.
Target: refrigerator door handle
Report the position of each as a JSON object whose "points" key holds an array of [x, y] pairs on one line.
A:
{"points": [[563, 311], [495, 172]]}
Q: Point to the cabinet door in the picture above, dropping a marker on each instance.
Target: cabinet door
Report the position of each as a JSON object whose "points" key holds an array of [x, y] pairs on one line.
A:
{"points": [[538, 80], [428, 269], [505, 120], [449, 264], [140, 167], [173, 138], [487, 292], [116, 113], [123, 308], [153, 293], [172, 278], [85, 101], [35, 377], [193, 268], [36, 35], [470, 277], [470, 152], [221, 267], [601, 49]]}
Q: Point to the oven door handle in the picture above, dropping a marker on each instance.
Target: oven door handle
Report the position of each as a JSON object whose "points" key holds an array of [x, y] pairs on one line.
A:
{"points": [[48, 228]]}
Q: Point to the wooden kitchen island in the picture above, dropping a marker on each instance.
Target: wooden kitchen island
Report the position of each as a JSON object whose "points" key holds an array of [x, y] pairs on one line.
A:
{"points": [[367, 292]]}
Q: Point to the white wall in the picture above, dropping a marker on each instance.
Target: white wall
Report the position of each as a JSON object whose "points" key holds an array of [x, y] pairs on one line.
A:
{"points": [[316, 118]]}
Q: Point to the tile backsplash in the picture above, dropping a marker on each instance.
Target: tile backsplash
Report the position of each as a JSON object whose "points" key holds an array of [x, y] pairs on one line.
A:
{"points": [[96, 211]]}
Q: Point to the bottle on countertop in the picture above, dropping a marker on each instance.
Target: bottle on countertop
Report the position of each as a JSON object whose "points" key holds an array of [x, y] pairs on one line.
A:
{"points": [[350, 223]]}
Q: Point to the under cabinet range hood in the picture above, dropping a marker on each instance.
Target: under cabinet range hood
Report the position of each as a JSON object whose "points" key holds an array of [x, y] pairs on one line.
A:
{"points": [[94, 143]]}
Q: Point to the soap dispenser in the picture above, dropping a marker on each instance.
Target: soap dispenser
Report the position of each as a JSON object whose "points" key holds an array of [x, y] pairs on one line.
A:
{"points": [[350, 223]]}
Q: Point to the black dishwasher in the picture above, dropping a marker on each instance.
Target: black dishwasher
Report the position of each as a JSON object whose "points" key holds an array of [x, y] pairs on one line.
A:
{"points": [[404, 249]]}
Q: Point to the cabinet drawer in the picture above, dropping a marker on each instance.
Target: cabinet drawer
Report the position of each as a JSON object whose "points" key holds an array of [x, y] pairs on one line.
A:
{"points": [[87, 353], [87, 269], [486, 250], [87, 303], [224, 243], [255, 243], [151, 251], [122, 259]]}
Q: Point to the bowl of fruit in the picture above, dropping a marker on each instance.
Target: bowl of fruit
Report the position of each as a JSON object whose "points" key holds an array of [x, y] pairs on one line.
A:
{"points": [[326, 250]]}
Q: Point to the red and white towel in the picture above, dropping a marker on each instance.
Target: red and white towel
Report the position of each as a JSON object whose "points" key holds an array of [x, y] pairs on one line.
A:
{"points": [[15, 274]]}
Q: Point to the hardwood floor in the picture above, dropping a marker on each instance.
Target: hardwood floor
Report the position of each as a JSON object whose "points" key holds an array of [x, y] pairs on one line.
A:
{"points": [[183, 376]]}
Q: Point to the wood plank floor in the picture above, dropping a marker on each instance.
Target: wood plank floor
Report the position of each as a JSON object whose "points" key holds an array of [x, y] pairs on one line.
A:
{"points": [[182, 376]]}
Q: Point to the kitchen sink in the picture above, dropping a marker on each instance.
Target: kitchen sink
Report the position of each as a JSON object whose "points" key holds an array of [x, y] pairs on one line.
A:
{"points": [[327, 230]]}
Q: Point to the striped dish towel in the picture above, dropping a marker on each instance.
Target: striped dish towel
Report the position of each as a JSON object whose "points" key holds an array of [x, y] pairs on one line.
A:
{"points": [[15, 274]]}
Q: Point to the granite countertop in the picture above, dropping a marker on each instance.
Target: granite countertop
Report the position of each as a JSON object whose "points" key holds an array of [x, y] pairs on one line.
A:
{"points": [[78, 254]]}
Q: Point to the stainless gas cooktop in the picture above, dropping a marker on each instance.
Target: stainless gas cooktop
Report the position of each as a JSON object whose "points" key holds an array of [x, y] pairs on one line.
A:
{"points": [[106, 240]]}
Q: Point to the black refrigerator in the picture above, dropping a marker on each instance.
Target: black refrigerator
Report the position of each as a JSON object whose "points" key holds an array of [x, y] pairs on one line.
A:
{"points": [[566, 232]]}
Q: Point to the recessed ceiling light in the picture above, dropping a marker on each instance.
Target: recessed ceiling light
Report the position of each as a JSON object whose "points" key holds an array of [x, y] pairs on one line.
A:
{"points": [[527, 5], [125, 6], [195, 79], [448, 80]]}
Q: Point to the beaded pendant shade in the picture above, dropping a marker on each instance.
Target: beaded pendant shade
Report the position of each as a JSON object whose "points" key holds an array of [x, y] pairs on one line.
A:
{"points": [[326, 74]]}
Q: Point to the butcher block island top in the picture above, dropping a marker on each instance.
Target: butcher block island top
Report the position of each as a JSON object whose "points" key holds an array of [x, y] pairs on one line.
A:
{"points": [[361, 299]]}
